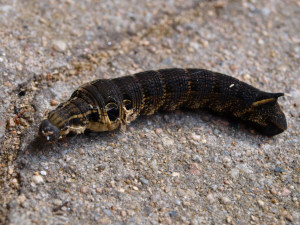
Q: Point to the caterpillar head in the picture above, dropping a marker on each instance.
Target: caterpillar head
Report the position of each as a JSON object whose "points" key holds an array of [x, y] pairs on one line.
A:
{"points": [[48, 131], [266, 114]]}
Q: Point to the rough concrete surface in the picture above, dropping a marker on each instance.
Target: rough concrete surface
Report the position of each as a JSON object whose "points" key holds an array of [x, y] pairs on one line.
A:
{"points": [[169, 168]]}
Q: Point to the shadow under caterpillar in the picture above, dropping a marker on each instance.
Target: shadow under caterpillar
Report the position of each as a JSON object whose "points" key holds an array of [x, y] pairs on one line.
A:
{"points": [[107, 104]]}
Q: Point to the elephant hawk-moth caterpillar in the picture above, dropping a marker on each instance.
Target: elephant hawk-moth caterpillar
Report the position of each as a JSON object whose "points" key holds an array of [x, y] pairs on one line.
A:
{"points": [[106, 104]]}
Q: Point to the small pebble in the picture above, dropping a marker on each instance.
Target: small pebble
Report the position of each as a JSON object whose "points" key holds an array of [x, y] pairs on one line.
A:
{"points": [[175, 174], [278, 169], [167, 141], [135, 188], [37, 179], [295, 95], [54, 102], [260, 41], [194, 169], [246, 77], [21, 198], [177, 202], [43, 173], [229, 219], [10, 170], [173, 213], [127, 181], [23, 122], [59, 45], [254, 218], [227, 182], [186, 203], [158, 131], [273, 191], [233, 67], [197, 158], [148, 211], [123, 213], [11, 122], [274, 200], [285, 192], [80, 151], [289, 218], [181, 193], [84, 190], [195, 137], [225, 200], [106, 212], [260, 203], [143, 180], [19, 67], [211, 198], [266, 11], [177, 181], [57, 202]]}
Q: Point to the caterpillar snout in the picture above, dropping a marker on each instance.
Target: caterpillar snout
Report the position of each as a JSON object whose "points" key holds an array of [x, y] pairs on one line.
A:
{"points": [[48, 131]]}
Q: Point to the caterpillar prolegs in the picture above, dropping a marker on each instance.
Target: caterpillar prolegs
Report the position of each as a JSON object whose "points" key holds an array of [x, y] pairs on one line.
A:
{"points": [[106, 104]]}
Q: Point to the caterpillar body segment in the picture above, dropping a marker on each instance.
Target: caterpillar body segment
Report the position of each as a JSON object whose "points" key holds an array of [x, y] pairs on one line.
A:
{"points": [[107, 104]]}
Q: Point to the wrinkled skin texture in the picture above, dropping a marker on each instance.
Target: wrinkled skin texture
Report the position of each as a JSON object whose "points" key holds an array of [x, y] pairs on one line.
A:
{"points": [[104, 105]]}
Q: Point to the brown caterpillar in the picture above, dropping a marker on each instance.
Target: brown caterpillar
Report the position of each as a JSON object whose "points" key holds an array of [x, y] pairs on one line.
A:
{"points": [[104, 105]]}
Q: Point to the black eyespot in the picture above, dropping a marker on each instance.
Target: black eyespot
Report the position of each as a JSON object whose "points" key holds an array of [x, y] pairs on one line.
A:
{"points": [[112, 111], [128, 105]]}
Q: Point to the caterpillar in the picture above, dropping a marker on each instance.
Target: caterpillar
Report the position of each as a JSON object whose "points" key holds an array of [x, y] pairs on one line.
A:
{"points": [[107, 104]]}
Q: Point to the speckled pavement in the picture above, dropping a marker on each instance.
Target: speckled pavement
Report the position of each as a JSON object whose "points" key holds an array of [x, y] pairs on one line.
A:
{"points": [[169, 168]]}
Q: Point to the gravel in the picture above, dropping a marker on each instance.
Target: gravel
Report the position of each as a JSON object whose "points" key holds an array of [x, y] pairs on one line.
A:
{"points": [[169, 168]]}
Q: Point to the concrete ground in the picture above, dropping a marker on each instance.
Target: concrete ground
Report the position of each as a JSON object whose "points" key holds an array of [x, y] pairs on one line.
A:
{"points": [[169, 168]]}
